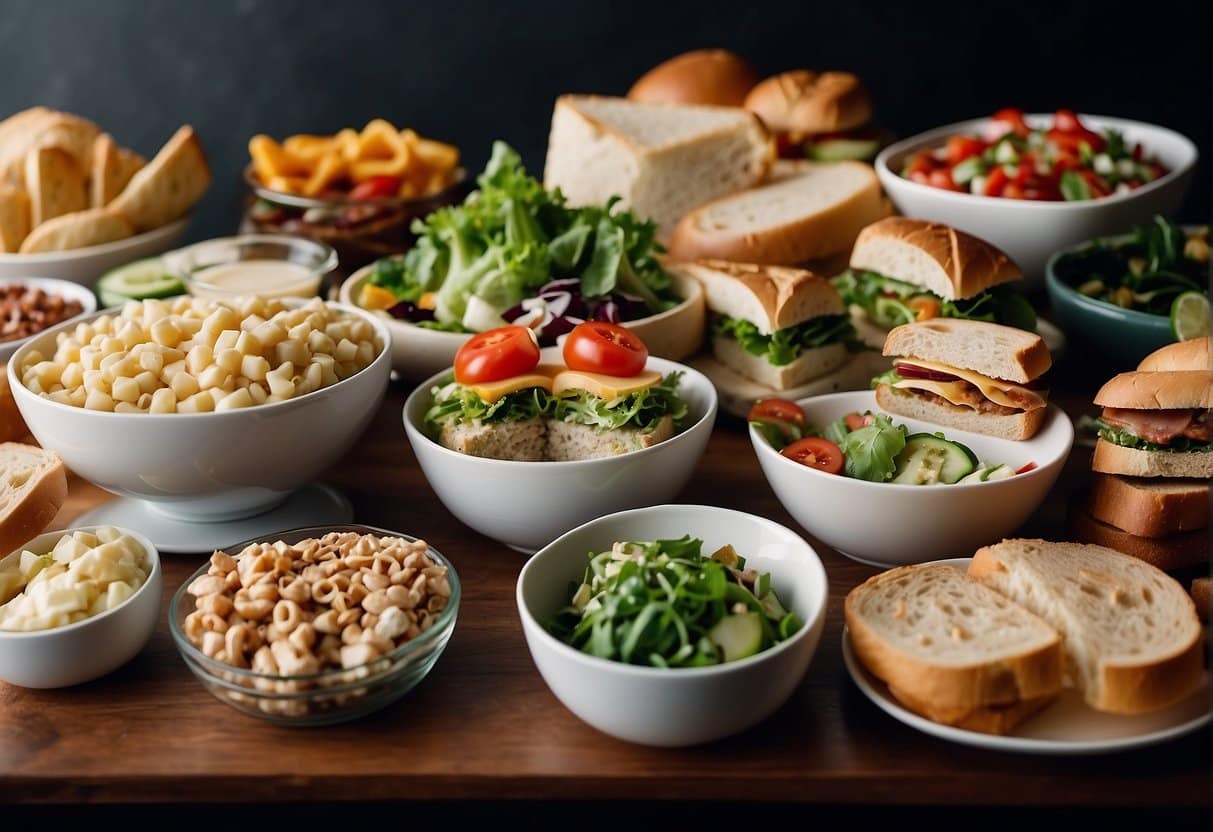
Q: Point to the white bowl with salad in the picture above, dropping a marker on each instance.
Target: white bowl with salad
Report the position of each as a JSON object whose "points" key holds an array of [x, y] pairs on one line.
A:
{"points": [[890, 490], [514, 252], [673, 625], [1034, 184]]}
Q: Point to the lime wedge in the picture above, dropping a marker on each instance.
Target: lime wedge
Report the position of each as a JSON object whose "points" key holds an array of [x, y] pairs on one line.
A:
{"points": [[1190, 316]]}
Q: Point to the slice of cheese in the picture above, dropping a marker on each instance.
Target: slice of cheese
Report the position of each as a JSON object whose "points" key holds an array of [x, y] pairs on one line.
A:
{"points": [[604, 386], [994, 389], [542, 376], [950, 390]]}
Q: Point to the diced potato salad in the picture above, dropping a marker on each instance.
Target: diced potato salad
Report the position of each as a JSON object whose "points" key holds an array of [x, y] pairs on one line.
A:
{"points": [[84, 575]]}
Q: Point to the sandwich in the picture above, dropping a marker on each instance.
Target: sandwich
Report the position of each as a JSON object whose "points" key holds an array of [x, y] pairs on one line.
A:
{"points": [[33, 487], [821, 115], [1193, 354], [1155, 424], [905, 270], [712, 77], [779, 327], [971, 375]]}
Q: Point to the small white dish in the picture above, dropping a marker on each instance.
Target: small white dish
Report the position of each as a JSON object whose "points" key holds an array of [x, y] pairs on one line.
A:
{"points": [[1031, 231], [52, 286], [313, 504], [675, 706], [1066, 727], [80, 652], [85, 265], [915, 523]]}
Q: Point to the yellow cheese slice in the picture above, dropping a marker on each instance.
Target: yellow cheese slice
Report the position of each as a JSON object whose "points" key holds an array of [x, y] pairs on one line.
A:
{"points": [[542, 376], [994, 389], [950, 390], [604, 386]]}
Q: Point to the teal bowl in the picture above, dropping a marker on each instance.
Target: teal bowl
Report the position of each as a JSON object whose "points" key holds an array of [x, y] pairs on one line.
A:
{"points": [[1125, 336]]}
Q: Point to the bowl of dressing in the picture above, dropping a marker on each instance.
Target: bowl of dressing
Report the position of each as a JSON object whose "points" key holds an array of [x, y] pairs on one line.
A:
{"points": [[265, 265]]}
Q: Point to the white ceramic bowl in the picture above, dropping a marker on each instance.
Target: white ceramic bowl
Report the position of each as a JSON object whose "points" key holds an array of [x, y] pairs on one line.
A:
{"points": [[1031, 231], [208, 466], [419, 353], [52, 286], [679, 706], [891, 525], [85, 265], [527, 504], [88, 649]]}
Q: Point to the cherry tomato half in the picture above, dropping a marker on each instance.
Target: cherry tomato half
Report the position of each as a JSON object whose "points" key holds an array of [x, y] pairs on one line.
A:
{"points": [[777, 410], [500, 353], [601, 347], [1031, 466], [377, 187], [1011, 118], [816, 452], [855, 421]]}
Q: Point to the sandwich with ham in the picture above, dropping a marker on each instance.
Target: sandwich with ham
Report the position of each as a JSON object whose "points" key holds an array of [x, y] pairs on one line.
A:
{"points": [[1155, 424], [971, 375]]}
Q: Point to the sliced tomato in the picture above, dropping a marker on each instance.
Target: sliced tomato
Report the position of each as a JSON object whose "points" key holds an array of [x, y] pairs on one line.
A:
{"points": [[1031, 466], [942, 178], [601, 347], [377, 187], [783, 410], [921, 163], [855, 421], [816, 452], [1067, 120], [1013, 190], [1096, 183], [498, 354], [995, 182], [1013, 118], [960, 148]]}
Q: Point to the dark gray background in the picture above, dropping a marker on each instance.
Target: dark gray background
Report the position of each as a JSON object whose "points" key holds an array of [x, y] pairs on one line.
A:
{"points": [[469, 72]]}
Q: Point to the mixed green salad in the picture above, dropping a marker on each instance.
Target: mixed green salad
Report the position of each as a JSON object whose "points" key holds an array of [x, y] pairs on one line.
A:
{"points": [[890, 303], [662, 603]]}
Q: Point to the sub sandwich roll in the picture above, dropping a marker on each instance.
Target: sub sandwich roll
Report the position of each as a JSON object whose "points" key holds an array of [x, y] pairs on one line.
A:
{"points": [[1155, 424], [970, 375], [821, 115]]}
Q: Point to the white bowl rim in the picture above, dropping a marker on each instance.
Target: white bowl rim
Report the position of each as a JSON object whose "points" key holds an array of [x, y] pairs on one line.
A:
{"points": [[806, 626], [16, 384], [929, 137], [51, 285], [153, 555], [166, 230], [423, 389], [1055, 413]]}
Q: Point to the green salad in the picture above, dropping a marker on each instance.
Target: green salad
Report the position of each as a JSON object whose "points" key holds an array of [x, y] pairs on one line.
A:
{"points": [[662, 603], [890, 303]]}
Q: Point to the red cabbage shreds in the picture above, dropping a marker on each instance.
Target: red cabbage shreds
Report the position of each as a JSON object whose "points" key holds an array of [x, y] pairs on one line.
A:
{"points": [[608, 311], [406, 311], [515, 312], [630, 307], [557, 327]]}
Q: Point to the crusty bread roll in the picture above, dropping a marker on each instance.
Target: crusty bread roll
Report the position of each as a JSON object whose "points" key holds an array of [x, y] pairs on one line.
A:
{"points": [[1015, 426], [1193, 354], [804, 101], [950, 263], [1149, 507], [712, 77], [993, 350], [1132, 640], [1110, 458], [33, 487], [806, 211], [1171, 553], [771, 297], [1182, 390]]}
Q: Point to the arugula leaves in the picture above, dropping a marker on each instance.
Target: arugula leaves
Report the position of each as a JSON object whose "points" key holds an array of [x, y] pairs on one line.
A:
{"points": [[884, 300], [1127, 439], [642, 410], [785, 345]]}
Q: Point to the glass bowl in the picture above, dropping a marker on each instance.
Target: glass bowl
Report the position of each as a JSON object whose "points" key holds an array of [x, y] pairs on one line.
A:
{"points": [[203, 265], [323, 698]]}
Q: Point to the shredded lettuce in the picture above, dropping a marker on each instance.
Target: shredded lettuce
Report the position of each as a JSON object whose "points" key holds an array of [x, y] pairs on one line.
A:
{"points": [[642, 410], [883, 299], [1128, 439], [785, 345], [456, 403]]}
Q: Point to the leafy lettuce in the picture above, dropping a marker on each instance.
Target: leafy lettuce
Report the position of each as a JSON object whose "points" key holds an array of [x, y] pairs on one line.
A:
{"points": [[456, 403], [871, 452], [785, 345], [1127, 439], [884, 300], [642, 410]]}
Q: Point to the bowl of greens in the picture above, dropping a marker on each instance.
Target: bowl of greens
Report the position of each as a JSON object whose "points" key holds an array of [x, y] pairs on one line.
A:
{"points": [[514, 252], [673, 625], [1131, 294]]}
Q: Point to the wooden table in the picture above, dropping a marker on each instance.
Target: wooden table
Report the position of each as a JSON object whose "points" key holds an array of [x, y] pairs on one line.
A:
{"points": [[484, 726]]}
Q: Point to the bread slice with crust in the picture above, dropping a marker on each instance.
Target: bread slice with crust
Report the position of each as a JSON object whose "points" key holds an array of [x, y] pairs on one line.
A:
{"points": [[168, 186], [33, 487], [1016, 426], [1155, 507], [1193, 354], [989, 719], [1133, 643], [770, 297], [993, 350], [1170, 554], [937, 257], [1111, 458]]}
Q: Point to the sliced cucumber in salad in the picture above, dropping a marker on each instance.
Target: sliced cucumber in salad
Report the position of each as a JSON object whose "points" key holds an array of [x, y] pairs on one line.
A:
{"points": [[737, 635], [928, 459], [141, 280], [987, 473]]}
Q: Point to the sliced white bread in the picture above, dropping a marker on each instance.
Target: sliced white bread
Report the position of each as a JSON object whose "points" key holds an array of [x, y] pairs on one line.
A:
{"points": [[805, 212], [1134, 462], [662, 159], [810, 364], [1155, 507], [1170, 554], [1016, 426], [993, 350], [497, 440], [1193, 354], [770, 297], [949, 644], [568, 441], [937, 257], [1133, 642], [33, 487]]}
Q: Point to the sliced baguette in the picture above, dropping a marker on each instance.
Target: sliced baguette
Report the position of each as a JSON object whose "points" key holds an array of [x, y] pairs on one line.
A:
{"points": [[1016, 426], [810, 364], [770, 297], [1132, 639], [33, 487], [1150, 507], [497, 440], [1111, 458], [950, 644], [168, 186], [661, 159], [990, 349], [1170, 554], [569, 441], [805, 212]]}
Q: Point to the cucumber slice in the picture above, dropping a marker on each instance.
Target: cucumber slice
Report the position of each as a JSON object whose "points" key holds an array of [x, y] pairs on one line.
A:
{"points": [[737, 636], [141, 280], [891, 312], [844, 150], [928, 459]]}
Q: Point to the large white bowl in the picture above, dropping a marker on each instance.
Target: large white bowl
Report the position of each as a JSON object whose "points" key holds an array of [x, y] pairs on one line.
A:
{"points": [[891, 525], [418, 353], [1030, 231], [678, 706], [85, 265], [527, 504], [208, 466], [52, 286], [88, 649]]}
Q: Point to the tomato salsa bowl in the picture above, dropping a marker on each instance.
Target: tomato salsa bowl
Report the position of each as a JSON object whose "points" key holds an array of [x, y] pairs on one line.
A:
{"points": [[1031, 230]]}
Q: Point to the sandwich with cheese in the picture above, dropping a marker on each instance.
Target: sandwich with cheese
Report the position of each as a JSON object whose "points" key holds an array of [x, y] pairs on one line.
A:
{"points": [[905, 270], [970, 375], [1155, 424], [821, 115], [779, 327]]}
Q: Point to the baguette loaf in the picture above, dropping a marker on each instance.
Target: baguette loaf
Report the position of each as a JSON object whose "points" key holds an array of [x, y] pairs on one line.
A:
{"points": [[1150, 507], [993, 350], [1170, 554], [1193, 354], [771, 297], [33, 487], [1111, 458]]}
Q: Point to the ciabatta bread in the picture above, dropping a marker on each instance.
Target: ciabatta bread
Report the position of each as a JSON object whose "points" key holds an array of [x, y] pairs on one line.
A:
{"points": [[1111, 458], [33, 487], [806, 211], [1016, 426], [993, 350], [806, 102], [770, 297], [942, 260], [1193, 354], [1170, 554], [1150, 507], [1132, 639], [662, 159], [810, 364], [1180, 390]]}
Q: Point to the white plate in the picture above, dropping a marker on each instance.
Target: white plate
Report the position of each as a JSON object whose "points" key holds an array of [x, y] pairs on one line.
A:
{"points": [[1067, 727], [85, 265]]}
